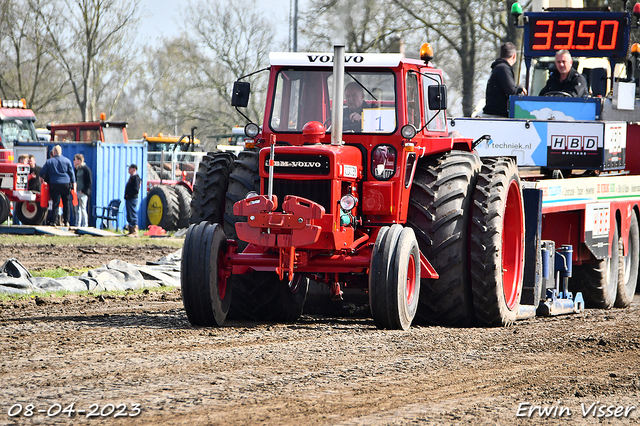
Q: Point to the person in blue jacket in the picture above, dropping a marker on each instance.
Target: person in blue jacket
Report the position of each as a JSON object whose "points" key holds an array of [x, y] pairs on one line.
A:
{"points": [[59, 173]]}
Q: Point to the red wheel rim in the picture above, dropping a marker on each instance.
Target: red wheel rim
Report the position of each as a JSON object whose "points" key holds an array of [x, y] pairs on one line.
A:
{"points": [[411, 280], [512, 245], [30, 207]]}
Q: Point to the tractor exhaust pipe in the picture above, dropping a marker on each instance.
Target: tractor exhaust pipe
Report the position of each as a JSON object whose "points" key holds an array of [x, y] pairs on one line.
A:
{"points": [[338, 94]]}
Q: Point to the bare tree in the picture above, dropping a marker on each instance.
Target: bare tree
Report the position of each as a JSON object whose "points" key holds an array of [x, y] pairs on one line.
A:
{"points": [[89, 39], [188, 80], [27, 70], [361, 25]]}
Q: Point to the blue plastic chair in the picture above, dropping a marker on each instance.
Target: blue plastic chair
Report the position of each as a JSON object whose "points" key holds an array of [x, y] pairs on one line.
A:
{"points": [[108, 213]]}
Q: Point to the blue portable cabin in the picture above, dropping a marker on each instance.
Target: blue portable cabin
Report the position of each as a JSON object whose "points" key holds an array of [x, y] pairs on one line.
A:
{"points": [[109, 164]]}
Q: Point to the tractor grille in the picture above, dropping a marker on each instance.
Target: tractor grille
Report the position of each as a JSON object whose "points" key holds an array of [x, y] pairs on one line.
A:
{"points": [[314, 190]]}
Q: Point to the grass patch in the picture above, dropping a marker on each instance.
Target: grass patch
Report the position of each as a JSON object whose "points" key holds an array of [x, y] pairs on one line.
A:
{"points": [[59, 272], [89, 240], [63, 293]]}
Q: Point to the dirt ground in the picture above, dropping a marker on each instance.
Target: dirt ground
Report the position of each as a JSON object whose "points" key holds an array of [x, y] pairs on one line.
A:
{"points": [[134, 359]]}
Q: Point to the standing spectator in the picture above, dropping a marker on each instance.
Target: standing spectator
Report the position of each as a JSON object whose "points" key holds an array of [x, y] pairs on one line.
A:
{"points": [[502, 84], [131, 192], [23, 159], [83, 185], [34, 175], [58, 171]]}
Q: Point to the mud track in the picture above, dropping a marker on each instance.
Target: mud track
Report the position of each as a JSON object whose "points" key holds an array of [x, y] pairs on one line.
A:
{"points": [[140, 349]]}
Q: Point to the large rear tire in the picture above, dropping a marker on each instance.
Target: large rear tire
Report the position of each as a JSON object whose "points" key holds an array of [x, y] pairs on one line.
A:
{"points": [[5, 208], [30, 213], [394, 278], [162, 207], [628, 279], [245, 177], [497, 243], [210, 187], [598, 281], [206, 295], [439, 213], [184, 205]]}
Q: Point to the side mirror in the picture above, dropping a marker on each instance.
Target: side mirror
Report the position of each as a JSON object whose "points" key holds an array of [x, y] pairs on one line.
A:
{"points": [[240, 95], [437, 97]]}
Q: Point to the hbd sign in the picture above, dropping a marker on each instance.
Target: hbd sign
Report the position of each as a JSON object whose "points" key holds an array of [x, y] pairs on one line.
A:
{"points": [[574, 143]]}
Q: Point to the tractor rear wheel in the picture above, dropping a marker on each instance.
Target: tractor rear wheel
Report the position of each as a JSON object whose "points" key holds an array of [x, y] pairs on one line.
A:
{"points": [[5, 208], [210, 187], [439, 213], [629, 269], [598, 281], [162, 207], [497, 243], [262, 296], [206, 294], [394, 278], [30, 213], [245, 177], [184, 205]]}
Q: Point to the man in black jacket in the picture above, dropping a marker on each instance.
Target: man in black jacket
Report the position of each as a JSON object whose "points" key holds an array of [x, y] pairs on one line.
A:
{"points": [[502, 83], [131, 192], [565, 78]]}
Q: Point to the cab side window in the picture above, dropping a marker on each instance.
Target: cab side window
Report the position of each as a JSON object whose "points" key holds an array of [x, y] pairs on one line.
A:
{"points": [[413, 100]]}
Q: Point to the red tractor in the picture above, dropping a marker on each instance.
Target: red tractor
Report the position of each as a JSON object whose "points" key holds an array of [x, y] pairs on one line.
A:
{"points": [[371, 193]]}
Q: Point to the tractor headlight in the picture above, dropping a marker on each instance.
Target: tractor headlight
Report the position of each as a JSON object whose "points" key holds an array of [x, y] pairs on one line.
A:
{"points": [[251, 130], [348, 202]]}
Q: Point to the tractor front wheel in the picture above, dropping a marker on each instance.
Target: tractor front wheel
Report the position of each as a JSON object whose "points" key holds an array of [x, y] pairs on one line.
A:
{"points": [[30, 213], [5, 208], [206, 291], [394, 278]]}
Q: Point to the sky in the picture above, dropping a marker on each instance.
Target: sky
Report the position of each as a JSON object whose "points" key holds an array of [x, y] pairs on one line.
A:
{"points": [[161, 18]]}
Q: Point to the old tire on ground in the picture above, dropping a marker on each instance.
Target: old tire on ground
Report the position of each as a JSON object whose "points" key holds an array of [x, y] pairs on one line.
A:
{"points": [[394, 278], [210, 187], [497, 243], [205, 295], [30, 213], [245, 177], [5, 208], [598, 281], [628, 279], [439, 213], [184, 205], [261, 296], [162, 207]]}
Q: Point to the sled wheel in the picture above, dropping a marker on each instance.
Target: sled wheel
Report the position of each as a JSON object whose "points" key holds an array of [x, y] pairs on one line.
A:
{"points": [[598, 281], [184, 205], [264, 297], [206, 294], [497, 243], [439, 214], [5, 208], [162, 207], [628, 279], [394, 278], [30, 213], [210, 187]]}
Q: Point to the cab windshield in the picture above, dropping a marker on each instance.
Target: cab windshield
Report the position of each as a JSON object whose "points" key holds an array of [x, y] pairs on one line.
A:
{"points": [[17, 130], [304, 95]]}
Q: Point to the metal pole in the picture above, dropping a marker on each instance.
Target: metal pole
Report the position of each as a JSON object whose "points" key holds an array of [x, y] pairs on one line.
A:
{"points": [[338, 94]]}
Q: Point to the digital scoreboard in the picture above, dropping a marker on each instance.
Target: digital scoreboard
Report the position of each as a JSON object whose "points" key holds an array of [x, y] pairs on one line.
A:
{"points": [[586, 34]]}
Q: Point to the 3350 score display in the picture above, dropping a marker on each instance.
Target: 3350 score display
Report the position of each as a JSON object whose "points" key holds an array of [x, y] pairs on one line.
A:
{"points": [[586, 36]]}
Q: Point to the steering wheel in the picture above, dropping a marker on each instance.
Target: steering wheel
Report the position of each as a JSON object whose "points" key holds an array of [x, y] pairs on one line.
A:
{"points": [[559, 93]]}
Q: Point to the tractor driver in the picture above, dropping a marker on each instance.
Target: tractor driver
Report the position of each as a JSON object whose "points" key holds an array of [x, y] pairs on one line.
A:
{"points": [[565, 79], [352, 114]]}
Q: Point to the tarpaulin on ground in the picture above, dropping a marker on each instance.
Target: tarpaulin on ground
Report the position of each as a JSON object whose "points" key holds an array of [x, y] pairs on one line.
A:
{"points": [[115, 275]]}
